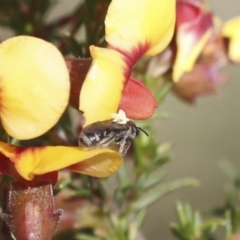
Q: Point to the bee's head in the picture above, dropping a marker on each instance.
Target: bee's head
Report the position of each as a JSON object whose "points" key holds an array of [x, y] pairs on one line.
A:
{"points": [[135, 130]]}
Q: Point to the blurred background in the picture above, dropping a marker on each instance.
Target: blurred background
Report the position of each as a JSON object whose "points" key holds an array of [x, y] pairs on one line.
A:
{"points": [[202, 135]]}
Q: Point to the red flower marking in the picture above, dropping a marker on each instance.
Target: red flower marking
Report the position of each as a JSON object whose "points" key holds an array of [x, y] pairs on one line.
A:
{"points": [[137, 101], [133, 56], [187, 11]]}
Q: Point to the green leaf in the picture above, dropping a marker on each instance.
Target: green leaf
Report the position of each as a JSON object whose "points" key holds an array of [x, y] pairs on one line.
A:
{"points": [[164, 91], [228, 224], [208, 227], [124, 186], [190, 225], [182, 213], [151, 180], [120, 196], [140, 218], [122, 177], [157, 163], [231, 172], [150, 197], [132, 231]]}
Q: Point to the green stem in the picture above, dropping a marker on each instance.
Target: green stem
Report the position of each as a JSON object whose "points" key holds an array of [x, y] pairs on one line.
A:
{"points": [[163, 91]]}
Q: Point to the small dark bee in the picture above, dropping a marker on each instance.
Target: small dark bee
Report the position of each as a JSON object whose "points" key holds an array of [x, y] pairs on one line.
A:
{"points": [[101, 134]]}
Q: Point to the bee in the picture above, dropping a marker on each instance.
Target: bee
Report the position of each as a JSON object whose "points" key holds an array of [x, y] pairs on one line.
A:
{"points": [[102, 133]]}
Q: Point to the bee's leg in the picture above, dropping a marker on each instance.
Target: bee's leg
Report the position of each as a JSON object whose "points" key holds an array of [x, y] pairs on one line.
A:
{"points": [[124, 146], [106, 141]]}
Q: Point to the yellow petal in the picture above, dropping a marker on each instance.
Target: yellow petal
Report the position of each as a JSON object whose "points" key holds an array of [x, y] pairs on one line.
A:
{"points": [[38, 161], [186, 56], [144, 25], [102, 89], [192, 37], [231, 30], [8, 150], [100, 165], [34, 86]]}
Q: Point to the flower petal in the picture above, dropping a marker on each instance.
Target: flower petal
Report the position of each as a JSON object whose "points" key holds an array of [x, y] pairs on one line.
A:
{"points": [[142, 27], [8, 152], [203, 80], [100, 165], [137, 101], [41, 160], [192, 36], [102, 89], [231, 30], [188, 10], [6, 166], [34, 86]]}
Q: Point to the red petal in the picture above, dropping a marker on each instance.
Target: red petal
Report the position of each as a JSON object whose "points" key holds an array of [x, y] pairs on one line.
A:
{"points": [[78, 69], [6, 166], [203, 80], [137, 101], [187, 10]]}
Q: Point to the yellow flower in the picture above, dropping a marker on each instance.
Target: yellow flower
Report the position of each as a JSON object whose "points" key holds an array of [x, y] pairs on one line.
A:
{"points": [[34, 86], [142, 27], [32, 161], [194, 27], [133, 29], [231, 31]]}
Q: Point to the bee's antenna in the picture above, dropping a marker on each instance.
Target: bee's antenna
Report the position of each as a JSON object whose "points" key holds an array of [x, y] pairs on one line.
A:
{"points": [[143, 131]]}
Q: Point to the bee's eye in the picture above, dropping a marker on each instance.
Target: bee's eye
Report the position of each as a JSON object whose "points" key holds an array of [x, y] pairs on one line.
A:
{"points": [[137, 132]]}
